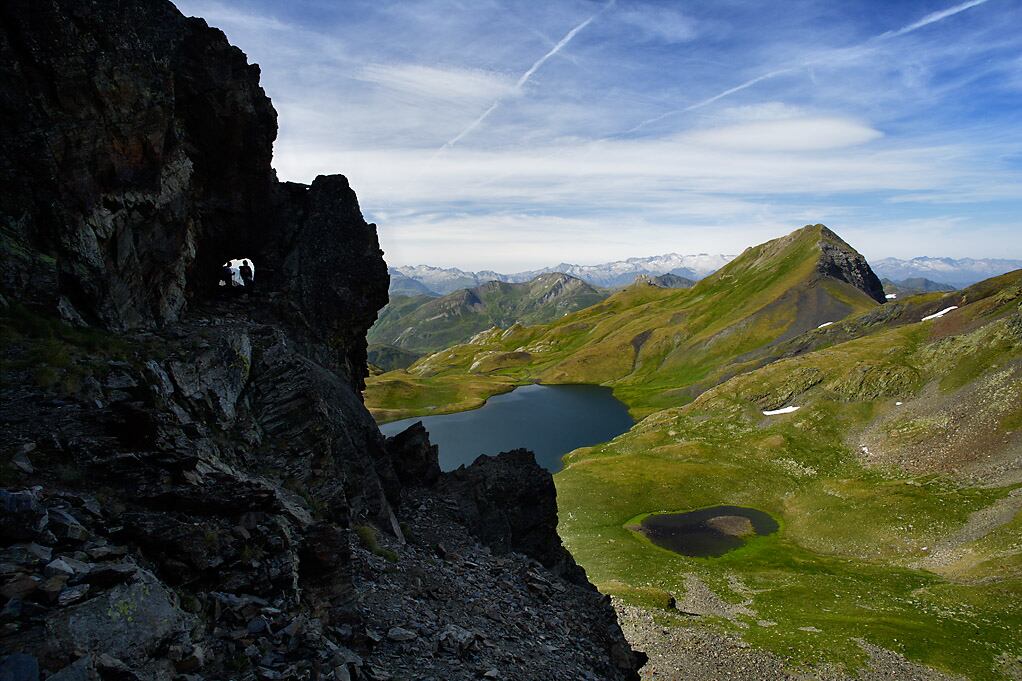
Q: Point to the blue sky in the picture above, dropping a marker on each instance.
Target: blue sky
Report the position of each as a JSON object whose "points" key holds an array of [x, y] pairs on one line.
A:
{"points": [[508, 135]]}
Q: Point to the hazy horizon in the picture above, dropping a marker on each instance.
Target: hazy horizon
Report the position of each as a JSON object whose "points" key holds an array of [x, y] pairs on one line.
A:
{"points": [[512, 136]]}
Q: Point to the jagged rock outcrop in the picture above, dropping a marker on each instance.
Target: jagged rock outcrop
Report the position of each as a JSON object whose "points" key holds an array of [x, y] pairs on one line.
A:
{"points": [[416, 460], [191, 485], [510, 503], [841, 261]]}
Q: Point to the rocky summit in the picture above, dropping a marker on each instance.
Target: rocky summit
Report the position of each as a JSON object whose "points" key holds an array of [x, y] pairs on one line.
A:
{"points": [[191, 485]]}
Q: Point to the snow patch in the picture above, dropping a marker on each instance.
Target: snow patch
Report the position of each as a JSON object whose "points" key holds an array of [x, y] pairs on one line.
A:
{"points": [[782, 410], [938, 315], [891, 296]]}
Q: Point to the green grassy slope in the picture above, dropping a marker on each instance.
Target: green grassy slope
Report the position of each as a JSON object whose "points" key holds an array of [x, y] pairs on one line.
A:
{"points": [[425, 324], [897, 483], [900, 523], [655, 347]]}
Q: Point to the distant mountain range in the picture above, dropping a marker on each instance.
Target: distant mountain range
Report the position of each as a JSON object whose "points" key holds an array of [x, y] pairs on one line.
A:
{"points": [[428, 280], [615, 274], [956, 272], [912, 286]]}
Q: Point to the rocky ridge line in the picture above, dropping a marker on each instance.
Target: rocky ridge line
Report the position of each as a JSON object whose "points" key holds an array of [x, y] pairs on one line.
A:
{"points": [[191, 485]]}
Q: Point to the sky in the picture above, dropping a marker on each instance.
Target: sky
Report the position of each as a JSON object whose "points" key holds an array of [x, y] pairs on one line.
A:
{"points": [[510, 135]]}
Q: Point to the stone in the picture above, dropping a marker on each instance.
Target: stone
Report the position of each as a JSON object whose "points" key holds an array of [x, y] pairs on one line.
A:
{"points": [[65, 526], [22, 462], [69, 314], [455, 640], [191, 661], [19, 667], [399, 634], [21, 587], [58, 567], [50, 589], [21, 516], [256, 625], [72, 594], [82, 669], [104, 575], [42, 553], [106, 551], [128, 622]]}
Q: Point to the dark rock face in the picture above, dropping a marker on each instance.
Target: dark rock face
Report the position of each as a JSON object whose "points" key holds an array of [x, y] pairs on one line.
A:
{"points": [[510, 503], [416, 460], [841, 261], [126, 174], [191, 485]]}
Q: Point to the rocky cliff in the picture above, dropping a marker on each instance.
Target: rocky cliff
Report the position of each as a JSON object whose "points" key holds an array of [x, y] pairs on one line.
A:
{"points": [[191, 485]]}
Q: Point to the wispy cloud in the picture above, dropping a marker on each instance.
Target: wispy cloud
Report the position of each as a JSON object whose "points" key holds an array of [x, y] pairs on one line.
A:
{"points": [[831, 118], [843, 53], [431, 82], [524, 78]]}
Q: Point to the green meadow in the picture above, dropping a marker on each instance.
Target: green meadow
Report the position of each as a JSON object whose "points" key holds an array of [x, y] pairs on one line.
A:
{"points": [[895, 483]]}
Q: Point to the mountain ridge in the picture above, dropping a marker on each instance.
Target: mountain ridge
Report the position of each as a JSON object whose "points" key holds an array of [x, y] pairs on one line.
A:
{"points": [[425, 324], [614, 274], [657, 346]]}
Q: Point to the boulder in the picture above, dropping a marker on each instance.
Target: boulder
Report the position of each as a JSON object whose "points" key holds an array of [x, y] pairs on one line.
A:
{"points": [[128, 622]]}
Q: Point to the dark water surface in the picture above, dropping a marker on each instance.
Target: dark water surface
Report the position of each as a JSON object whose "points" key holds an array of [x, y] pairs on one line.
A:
{"points": [[551, 420], [690, 535]]}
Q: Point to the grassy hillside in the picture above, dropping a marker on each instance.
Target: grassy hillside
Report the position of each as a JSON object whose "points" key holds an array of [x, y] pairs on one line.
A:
{"points": [[425, 324], [897, 484], [655, 347]]}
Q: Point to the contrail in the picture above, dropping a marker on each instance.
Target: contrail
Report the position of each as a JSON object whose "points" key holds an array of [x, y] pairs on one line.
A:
{"points": [[711, 100], [925, 21], [933, 18], [525, 77]]}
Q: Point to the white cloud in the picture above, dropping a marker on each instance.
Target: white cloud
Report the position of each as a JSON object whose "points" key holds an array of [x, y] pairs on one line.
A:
{"points": [[789, 134], [447, 83]]}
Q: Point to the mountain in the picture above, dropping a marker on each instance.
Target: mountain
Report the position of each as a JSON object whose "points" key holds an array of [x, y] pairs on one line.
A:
{"points": [[442, 281], [422, 324], [888, 450], [623, 272], [958, 273], [883, 439], [912, 286], [609, 275], [658, 347], [402, 285], [666, 281], [191, 486], [383, 358]]}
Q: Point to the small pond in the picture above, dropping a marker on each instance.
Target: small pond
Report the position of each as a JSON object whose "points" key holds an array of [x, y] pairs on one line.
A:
{"points": [[551, 420], [707, 532]]}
